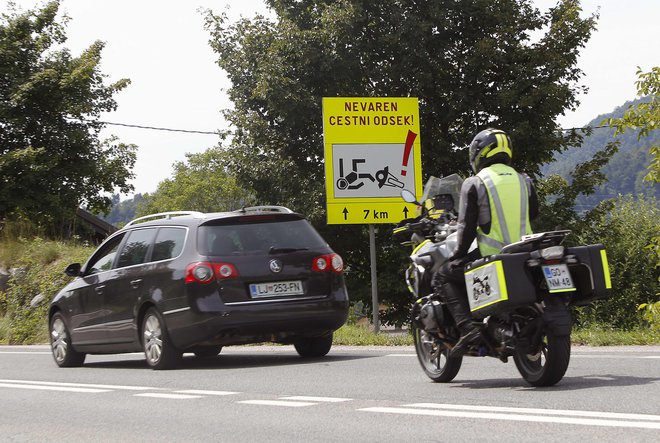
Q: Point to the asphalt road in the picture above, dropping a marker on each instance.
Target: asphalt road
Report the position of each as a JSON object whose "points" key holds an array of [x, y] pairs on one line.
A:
{"points": [[267, 393]]}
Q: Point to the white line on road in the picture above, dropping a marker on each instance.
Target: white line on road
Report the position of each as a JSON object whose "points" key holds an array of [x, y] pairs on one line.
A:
{"points": [[515, 417], [163, 395], [52, 388], [202, 392], [319, 399], [290, 404], [607, 356], [542, 411], [25, 352], [82, 385]]}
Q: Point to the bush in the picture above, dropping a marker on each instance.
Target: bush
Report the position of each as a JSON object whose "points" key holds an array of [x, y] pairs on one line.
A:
{"points": [[38, 270], [626, 227]]}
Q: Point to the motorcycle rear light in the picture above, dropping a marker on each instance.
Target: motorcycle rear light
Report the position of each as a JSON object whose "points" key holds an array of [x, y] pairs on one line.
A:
{"points": [[205, 272], [328, 263], [552, 253]]}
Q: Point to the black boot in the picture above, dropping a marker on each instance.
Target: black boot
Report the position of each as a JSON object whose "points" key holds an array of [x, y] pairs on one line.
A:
{"points": [[469, 334], [456, 300]]}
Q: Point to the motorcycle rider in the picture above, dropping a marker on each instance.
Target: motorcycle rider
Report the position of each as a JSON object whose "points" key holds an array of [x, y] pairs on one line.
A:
{"points": [[496, 206]]}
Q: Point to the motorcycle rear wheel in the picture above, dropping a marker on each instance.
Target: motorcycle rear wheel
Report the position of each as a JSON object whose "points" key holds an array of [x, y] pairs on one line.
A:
{"points": [[548, 366], [435, 362]]}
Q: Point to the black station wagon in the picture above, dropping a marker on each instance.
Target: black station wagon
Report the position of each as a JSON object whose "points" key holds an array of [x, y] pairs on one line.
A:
{"points": [[182, 282]]}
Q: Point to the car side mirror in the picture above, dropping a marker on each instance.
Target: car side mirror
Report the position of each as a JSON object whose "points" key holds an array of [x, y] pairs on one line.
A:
{"points": [[73, 270]]}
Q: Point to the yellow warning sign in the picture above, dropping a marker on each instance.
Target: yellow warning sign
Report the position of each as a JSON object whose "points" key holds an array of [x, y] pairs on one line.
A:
{"points": [[372, 152]]}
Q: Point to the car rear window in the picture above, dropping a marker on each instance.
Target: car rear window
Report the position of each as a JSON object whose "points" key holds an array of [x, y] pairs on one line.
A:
{"points": [[257, 236]]}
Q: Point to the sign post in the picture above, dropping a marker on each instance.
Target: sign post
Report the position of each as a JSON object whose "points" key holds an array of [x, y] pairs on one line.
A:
{"points": [[372, 152]]}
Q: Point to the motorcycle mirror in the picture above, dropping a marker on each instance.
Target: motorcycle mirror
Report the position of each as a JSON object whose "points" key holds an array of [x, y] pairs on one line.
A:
{"points": [[409, 197]]}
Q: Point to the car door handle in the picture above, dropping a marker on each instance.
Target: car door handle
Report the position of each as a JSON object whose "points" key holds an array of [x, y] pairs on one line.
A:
{"points": [[99, 289], [135, 283]]}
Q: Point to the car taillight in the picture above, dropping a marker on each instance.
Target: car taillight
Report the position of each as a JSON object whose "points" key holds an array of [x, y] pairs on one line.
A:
{"points": [[205, 272], [329, 263]]}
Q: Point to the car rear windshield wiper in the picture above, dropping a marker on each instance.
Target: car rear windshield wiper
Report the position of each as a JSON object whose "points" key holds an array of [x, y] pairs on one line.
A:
{"points": [[274, 250]]}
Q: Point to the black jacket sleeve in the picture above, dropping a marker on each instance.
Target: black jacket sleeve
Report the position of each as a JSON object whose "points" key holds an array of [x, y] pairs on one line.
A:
{"points": [[468, 217]]}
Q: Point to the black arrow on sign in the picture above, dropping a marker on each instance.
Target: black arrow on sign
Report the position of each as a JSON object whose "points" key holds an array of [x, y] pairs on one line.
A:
{"points": [[405, 212], [345, 211]]}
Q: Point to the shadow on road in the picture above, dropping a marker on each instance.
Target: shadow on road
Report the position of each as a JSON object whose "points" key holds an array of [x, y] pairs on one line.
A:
{"points": [[232, 361], [566, 384]]}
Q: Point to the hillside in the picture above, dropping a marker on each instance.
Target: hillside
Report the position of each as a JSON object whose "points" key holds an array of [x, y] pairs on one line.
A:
{"points": [[626, 169]]}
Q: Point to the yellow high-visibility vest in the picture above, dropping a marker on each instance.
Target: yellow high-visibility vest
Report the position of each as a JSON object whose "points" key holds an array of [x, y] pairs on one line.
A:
{"points": [[509, 212]]}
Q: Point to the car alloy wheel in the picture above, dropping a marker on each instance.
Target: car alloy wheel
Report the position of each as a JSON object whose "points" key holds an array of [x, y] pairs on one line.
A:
{"points": [[60, 344], [159, 352]]}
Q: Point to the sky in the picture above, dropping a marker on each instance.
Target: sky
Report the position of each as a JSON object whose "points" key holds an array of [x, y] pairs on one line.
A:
{"points": [[162, 47]]}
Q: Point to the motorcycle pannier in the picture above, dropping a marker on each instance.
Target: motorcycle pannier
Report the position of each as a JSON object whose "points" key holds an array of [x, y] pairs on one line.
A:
{"points": [[591, 274], [498, 283]]}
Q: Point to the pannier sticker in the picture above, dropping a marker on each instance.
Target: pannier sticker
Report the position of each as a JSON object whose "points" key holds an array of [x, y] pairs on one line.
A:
{"points": [[486, 285]]}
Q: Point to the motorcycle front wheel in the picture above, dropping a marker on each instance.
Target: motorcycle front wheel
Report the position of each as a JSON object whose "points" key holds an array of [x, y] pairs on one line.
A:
{"points": [[434, 358], [548, 365]]}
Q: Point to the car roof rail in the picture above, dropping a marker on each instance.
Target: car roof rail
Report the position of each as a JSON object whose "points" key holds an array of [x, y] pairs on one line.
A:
{"points": [[266, 208], [164, 215]]}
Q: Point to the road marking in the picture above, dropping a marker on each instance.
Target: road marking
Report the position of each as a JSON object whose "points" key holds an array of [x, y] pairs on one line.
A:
{"points": [[319, 399], [52, 388], [291, 404], [607, 356], [163, 395], [514, 417], [25, 352], [542, 411], [82, 385], [202, 392]]}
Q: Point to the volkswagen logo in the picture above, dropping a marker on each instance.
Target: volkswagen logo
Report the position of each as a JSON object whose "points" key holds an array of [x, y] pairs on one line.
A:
{"points": [[275, 266]]}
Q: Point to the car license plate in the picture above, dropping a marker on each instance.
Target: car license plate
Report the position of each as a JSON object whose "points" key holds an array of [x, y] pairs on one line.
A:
{"points": [[276, 289], [558, 278]]}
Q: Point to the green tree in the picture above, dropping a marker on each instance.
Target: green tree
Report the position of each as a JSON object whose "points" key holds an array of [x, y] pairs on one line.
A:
{"points": [[201, 183], [643, 117], [51, 159], [557, 196], [625, 226], [472, 63]]}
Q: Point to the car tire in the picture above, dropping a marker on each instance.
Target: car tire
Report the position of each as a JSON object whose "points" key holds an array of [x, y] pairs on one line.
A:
{"points": [[60, 344], [159, 351], [314, 347], [207, 351]]}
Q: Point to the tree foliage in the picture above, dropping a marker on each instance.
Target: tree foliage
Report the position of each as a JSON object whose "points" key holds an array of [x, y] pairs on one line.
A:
{"points": [[558, 195], [643, 117], [625, 226], [51, 159], [201, 183], [471, 63]]}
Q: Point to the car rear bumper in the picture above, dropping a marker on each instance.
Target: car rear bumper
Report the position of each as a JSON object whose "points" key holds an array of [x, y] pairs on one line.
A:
{"points": [[259, 321]]}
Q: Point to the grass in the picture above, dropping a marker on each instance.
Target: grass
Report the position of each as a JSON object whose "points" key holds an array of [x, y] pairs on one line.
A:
{"points": [[354, 335]]}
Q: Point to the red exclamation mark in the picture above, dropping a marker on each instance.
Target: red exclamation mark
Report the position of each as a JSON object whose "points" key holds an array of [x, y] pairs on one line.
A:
{"points": [[410, 139]]}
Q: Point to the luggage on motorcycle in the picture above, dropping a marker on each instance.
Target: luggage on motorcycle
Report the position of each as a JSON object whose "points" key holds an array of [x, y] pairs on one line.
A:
{"points": [[591, 274], [499, 283]]}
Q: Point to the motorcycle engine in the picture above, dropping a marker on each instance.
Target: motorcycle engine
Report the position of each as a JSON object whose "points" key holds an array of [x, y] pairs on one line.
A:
{"points": [[431, 315]]}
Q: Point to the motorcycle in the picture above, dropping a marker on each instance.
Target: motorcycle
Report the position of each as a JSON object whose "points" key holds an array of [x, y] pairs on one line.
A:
{"points": [[519, 298]]}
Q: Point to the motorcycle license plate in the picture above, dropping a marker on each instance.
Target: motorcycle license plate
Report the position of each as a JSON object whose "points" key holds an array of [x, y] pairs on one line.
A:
{"points": [[558, 278], [276, 289]]}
